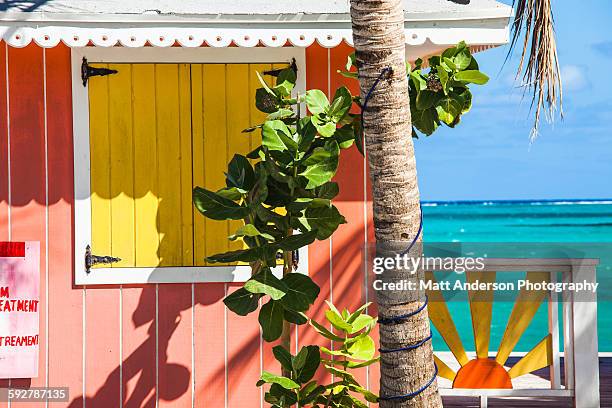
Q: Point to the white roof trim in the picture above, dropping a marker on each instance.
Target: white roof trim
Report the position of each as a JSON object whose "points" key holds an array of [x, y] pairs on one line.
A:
{"points": [[50, 36], [484, 28]]}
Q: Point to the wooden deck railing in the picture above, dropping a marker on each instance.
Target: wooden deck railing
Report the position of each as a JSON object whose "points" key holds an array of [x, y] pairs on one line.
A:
{"points": [[579, 325]]}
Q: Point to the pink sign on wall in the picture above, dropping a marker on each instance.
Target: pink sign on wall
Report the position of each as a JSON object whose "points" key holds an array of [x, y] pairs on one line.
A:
{"points": [[19, 309]]}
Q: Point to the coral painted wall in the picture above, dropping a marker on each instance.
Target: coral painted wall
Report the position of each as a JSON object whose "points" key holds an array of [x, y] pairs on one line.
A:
{"points": [[148, 345]]}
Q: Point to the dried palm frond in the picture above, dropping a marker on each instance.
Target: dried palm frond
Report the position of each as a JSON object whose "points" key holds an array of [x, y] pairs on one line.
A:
{"points": [[542, 76]]}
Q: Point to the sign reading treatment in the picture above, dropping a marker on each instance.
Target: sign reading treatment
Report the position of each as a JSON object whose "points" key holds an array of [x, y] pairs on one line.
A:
{"points": [[19, 309]]}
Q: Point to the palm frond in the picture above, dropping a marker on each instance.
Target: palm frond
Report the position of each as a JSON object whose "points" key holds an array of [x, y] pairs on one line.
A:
{"points": [[539, 64]]}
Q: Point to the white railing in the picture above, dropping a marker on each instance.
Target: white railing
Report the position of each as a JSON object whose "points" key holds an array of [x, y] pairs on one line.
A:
{"points": [[580, 349]]}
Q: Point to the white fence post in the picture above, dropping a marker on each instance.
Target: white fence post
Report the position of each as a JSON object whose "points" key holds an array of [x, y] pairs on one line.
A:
{"points": [[568, 334], [586, 356], [553, 329]]}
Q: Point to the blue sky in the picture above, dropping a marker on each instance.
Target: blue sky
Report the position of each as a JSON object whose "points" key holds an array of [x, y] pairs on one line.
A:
{"points": [[488, 156]]}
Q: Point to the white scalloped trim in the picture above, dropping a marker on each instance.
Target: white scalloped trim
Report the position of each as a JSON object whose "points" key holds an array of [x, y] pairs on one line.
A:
{"points": [[50, 36]]}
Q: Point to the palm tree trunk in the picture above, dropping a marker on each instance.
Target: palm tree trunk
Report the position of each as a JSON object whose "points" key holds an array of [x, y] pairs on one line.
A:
{"points": [[378, 36]]}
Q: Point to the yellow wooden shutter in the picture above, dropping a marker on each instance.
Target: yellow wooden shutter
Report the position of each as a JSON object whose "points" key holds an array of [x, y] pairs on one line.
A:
{"points": [[156, 130]]}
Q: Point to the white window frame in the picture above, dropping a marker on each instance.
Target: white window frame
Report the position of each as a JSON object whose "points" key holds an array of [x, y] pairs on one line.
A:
{"points": [[81, 138]]}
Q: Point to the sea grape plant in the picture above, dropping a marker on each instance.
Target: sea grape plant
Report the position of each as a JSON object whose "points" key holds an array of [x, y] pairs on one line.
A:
{"points": [[282, 191], [439, 93], [353, 348]]}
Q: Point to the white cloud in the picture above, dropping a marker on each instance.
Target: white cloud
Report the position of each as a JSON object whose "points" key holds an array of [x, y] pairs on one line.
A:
{"points": [[574, 78]]}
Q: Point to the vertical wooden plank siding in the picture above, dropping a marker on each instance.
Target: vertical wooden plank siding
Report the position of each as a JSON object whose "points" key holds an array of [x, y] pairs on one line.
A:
{"points": [[347, 242], [65, 304], [145, 165], [319, 252], [148, 345], [210, 347], [4, 161], [243, 333], [174, 316], [210, 316], [102, 340], [4, 144], [28, 172]]}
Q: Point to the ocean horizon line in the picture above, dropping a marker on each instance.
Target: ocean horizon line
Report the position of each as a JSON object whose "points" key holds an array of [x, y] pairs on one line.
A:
{"points": [[560, 201]]}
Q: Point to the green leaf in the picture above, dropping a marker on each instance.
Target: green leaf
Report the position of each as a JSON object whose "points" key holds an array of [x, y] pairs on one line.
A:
{"points": [[340, 104], [448, 109], [242, 302], [324, 125], [285, 82], [310, 392], [301, 292], [307, 133], [323, 331], [443, 75], [363, 348], [325, 220], [295, 317], [369, 396], [337, 321], [345, 136], [316, 101], [259, 192], [426, 99], [473, 76], [249, 230], [271, 320], [449, 63], [346, 74], [462, 60], [283, 357], [232, 193], [306, 362], [342, 373], [268, 216], [280, 114], [328, 190], [358, 313], [350, 61], [467, 101], [361, 322], [265, 101], [296, 241], [240, 174], [216, 207], [418, 80], [425, 121], [266, 283], [321, 164], [357, 403], [277, 136], [352, 364], [284, 382], [243, 255], [280, 397]]}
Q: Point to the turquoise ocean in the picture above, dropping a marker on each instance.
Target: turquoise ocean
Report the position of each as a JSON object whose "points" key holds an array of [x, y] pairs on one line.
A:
{"points": [[583, 227]]}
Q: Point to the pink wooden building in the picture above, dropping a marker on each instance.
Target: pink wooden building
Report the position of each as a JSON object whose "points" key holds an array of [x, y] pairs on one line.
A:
{"points": [[111, 164]]}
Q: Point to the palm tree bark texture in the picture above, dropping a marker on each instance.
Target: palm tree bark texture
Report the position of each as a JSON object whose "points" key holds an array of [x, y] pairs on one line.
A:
{"points": [[379, 41]]}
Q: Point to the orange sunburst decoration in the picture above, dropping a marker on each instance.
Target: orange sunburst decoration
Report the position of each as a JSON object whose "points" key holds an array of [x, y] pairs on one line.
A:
{"points": [[484, 372]]}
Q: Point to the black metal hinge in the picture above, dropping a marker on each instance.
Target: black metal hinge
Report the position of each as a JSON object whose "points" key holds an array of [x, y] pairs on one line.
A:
{"points": [[275, 72], [91, 259], [88, 71]]}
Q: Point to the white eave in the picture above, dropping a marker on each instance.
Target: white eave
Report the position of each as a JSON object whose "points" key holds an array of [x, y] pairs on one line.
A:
{"points": [[430, 24]]}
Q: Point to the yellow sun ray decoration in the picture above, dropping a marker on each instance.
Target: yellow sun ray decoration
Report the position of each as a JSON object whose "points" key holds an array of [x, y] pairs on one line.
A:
{"points": [[484, 372]]}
